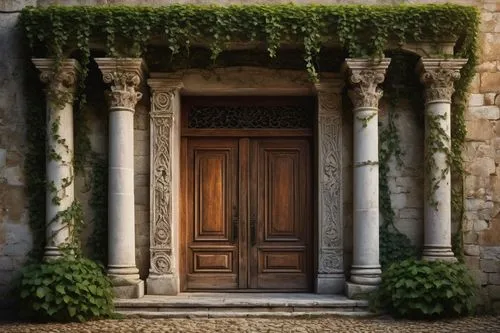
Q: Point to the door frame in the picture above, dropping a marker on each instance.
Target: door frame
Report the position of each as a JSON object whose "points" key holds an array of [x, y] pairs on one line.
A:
{"points": [[165, 142], [245, 139]]}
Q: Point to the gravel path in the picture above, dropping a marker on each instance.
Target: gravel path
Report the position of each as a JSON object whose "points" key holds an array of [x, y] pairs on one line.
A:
{"points": [[227, 325]]}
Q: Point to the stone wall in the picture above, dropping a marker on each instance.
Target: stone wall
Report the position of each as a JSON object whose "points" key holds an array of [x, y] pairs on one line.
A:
{"points": [[482, 152], [482, 158]]}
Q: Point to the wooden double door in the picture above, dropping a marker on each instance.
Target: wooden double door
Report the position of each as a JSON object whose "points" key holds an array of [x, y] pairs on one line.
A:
{"points": [[247, 220]]}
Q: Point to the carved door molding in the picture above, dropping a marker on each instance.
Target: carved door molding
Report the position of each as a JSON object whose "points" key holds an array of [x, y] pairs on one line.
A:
{"points": [[166, 89]]}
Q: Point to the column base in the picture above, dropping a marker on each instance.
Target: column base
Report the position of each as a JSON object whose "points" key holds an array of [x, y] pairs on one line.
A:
{"points": [[330, 283], [162, 285], [51, 253], [359, 291], [443, 254], [135, 289], [366, 275]]}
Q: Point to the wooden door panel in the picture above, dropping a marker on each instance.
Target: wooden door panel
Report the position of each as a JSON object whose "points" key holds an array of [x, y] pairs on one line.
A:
{"points": [[212, 187], [281, 185], [212, 248], [280, 254]]}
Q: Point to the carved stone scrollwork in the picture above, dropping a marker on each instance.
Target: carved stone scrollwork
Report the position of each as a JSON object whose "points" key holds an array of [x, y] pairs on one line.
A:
{"points": [[124, 76], [365, 76], [162, 118], [330, 178], [439, 76], [60, 85]]}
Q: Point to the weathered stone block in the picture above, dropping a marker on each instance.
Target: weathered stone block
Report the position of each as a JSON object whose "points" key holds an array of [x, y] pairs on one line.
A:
{"points": [[489, 265], [493, 292], [141, 195], [490, 47], [476, 100], [488, 66], [470, 237], [472, 262], [141, 165], [490, 112], [489, 98], [471, 250], [490, 82], [6, 264], [411, 213], [481, 166], [479, 130], [494, 278], [490, 252]]}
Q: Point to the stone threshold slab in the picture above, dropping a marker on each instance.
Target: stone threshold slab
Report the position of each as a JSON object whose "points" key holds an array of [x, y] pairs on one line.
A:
{"points": [[241, 300]]}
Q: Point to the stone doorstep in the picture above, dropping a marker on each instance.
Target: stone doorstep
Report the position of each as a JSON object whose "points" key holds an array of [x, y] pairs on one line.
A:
{"points": [[215, 305]]}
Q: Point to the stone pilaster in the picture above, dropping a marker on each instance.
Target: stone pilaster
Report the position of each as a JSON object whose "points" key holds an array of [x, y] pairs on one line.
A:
{"points": [[60, 89], [330, 275], [124, 76], [365, 76], [438, 76], [163, 276]]}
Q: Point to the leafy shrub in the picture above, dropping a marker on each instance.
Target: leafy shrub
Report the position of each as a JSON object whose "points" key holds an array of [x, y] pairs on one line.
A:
{"points": [[65, 289], [394, 247], [426, 289]]}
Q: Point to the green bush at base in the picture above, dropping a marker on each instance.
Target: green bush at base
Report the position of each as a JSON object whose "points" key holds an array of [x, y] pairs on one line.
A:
{"points": [[426, 289], [65, 289]]}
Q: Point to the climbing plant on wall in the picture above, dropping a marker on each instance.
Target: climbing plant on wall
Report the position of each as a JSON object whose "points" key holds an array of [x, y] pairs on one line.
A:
{"points": [[359, 30]]}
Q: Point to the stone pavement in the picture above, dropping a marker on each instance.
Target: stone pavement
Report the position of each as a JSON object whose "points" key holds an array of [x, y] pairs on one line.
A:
{"points": [[229, 325]]}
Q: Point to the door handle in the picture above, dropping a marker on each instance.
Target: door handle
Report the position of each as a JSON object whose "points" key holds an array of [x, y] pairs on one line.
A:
{"points": [[253, 231], [236, 222]]}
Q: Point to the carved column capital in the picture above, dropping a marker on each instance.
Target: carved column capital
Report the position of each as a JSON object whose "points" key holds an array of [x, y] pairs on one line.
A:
{"points": [[438, 76], [124, 75], [329, 99], [61, 84], [365, 75]]}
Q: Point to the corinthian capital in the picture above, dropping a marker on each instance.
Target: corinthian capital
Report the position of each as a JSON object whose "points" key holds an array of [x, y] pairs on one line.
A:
{"points": [[365, 75], [60, 79], [124, 75], [438, 76]]}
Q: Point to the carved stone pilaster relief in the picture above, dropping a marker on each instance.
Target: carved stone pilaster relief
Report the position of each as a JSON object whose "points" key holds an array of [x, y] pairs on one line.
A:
{"points": [[438, 76], [124, 77], [162, 119], [365, 76], [330, 178]]}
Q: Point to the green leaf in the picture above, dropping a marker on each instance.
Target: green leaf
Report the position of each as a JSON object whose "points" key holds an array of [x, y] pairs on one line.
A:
{"points": [[71, 311], [41, 292]]}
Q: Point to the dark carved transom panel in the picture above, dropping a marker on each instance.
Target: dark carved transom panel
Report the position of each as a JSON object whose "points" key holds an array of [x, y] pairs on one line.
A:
{"points": [[250, 117]]}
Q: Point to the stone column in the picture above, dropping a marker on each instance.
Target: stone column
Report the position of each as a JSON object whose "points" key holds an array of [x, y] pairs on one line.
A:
{"points": [[59, 155], [124, 75], [330, 275], [163, 276], [438, 76], [365, 76]]}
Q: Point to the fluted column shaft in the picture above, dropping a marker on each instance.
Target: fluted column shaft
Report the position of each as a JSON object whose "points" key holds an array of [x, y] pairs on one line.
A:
{"points": [[438, 76], [59, 150], [365, 76], [124, 76]]}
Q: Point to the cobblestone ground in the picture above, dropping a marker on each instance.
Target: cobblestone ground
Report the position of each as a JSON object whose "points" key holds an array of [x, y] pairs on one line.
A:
{"points": [[227, 325]]}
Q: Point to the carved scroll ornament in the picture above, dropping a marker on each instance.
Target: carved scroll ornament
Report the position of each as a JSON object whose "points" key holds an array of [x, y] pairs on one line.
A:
{"points": [[161, 182]]}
